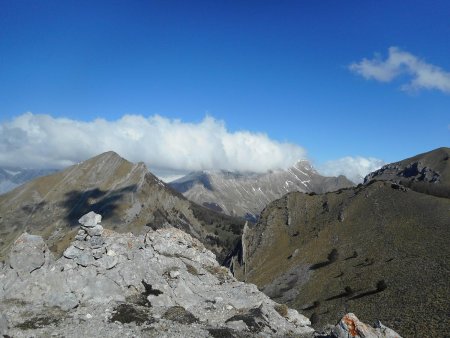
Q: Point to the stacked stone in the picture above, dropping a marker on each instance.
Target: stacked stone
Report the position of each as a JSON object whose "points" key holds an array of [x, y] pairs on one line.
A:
{"points": [[89, 226], [91, 231], [89, 243]]}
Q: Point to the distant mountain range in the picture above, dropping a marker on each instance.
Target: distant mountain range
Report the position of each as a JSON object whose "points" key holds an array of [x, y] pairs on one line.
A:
{"points": [[128, 196], [12, 177], [381, 249], [246, 194]]}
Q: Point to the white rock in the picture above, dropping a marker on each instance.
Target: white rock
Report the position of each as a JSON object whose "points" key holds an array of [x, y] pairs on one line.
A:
{"points": [[90, 220], [111, 252], [238, 325], [294, 317], [174, 273]]}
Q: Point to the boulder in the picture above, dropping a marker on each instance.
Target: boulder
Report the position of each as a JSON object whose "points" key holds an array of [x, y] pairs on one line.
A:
{"points": [[28, 254]]}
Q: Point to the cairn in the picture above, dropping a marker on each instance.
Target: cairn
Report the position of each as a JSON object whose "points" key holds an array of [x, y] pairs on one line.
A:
{"points": [[89, 245], [91, 230]]}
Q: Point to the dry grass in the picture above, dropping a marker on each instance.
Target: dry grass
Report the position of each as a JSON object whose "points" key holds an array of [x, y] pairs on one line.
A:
{"points": [[282, 309], [400, 237]]}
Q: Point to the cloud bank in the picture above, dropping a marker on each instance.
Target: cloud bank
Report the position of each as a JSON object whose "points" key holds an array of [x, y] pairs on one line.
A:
{"points": [[354, 168], [400, 63], [166, 145]]}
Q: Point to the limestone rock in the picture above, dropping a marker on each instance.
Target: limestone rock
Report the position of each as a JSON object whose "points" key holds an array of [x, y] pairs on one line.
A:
{"points": [[98, 253], [85, 259], [96, 230], [90, 220], [108, 262], [163, 284], [96, 242], [72, 252], [3, 325], [29, 253]]}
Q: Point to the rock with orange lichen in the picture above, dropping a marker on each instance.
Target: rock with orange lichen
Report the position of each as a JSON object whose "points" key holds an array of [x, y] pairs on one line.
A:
{"points": [[351, 326]]}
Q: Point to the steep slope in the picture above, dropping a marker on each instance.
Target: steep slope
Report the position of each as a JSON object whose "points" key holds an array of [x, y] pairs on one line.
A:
{"points": [[428, 172], [129, 197], [11, 178], [246, 194], [380, 250], [160, 284]]}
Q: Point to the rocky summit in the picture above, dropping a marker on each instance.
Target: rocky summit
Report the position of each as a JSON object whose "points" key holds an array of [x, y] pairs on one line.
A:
{"points": [[426, 173], [160, 284]]}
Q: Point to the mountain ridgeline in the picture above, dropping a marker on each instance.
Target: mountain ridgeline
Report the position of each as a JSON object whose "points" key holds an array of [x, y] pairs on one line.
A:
{"points": [[246, 194], [381, 249], [428, 173], [129, 197]]}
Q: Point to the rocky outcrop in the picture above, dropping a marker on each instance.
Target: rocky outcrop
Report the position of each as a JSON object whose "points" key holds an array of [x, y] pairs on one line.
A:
{"points": [[161, 284], [427, 173], [415, 172]]}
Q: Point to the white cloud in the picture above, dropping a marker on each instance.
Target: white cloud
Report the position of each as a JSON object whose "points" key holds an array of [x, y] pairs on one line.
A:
{"points": [[354, 168], [169, 146], [422, 75]]}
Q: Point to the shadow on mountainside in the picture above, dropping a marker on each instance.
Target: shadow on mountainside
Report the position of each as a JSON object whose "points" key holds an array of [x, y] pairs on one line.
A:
{"points": [[77, 203]]}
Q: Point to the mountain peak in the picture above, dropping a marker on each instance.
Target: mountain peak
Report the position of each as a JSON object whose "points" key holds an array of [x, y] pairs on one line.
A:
{"points": [[107, 156]]}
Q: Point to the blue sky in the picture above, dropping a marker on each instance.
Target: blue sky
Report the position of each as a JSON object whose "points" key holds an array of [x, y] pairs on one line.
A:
{"points": [[274, 67]]}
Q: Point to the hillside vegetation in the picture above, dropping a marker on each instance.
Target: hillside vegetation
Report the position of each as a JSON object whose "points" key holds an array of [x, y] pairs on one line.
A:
{"points": [[380, 250]]}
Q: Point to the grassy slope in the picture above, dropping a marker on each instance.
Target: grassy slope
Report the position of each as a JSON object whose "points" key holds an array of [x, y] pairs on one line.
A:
{"points": [[399, 237]]}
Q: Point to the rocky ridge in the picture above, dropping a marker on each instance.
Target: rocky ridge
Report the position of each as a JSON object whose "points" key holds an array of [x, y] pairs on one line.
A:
{"points": [[129, 197], [379, 250], [161, 284], [246, 194], [426, 173]]}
